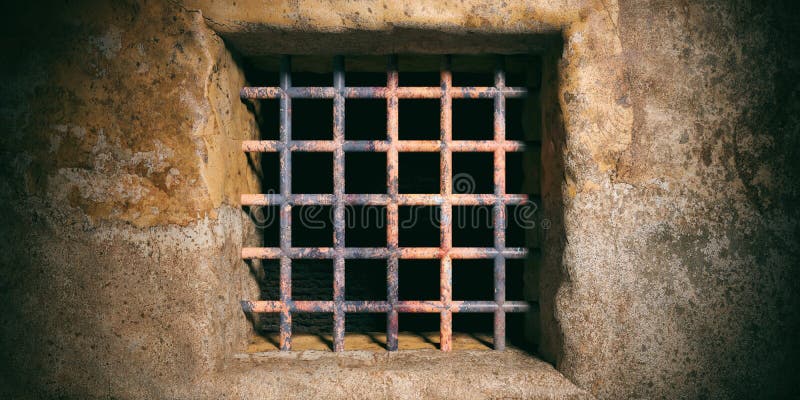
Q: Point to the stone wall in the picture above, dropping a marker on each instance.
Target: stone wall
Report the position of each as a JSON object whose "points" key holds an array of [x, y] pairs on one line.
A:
{"points": [[677, 276], [121, 172], [669, 145]]}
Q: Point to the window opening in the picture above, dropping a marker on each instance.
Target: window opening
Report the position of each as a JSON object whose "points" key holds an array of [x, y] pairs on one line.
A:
{"points": [[328, 188]]}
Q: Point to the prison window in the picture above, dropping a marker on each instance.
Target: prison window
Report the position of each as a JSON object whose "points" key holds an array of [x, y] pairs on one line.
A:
{"points": [[384, 169]]}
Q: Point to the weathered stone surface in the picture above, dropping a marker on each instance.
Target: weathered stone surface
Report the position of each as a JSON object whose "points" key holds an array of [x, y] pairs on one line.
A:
{"points": [[136, 115], [680, 237], [121, 231], [411, 374], [670, 144]]}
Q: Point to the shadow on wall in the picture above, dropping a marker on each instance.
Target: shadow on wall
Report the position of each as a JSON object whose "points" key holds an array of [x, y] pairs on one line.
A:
{"points": [[550, 274]]}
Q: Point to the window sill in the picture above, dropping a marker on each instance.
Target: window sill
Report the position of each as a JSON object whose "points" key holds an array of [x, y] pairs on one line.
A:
{"points": [[425, 373]]}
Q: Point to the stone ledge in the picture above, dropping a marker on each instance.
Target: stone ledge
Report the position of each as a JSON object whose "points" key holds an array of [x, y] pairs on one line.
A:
{"points": [[463, 374]]}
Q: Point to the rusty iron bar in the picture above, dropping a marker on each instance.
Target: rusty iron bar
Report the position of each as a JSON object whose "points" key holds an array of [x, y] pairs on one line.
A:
{"points": [[338, 204], [392, 219], [446, 208], [383, 199], [499, 207], [403, 253], [499, 199], [407, 92], [417, 146], [273, 306], [285, 161]]}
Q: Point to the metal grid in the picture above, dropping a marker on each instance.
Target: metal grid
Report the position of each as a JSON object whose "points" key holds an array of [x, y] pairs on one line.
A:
{"points": [[445, 199]]}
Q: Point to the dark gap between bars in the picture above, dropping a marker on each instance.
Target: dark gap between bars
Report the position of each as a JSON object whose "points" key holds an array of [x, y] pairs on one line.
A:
{"points": [[392, 252]]}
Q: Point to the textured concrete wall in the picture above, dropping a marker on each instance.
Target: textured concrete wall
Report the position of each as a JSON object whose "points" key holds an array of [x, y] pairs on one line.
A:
{"points": [[675, 274], [680, 238], [695, 290], [670, 133], [121, 169]]}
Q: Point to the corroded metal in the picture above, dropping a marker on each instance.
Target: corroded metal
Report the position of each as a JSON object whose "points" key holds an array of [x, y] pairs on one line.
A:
{"points": [[403, 253], [392, 219], [445, 199], [338, 204], [407, 92], [273, 306], [286, 209], [446, 208], [418, 146], [383, 199], [499, 207]]}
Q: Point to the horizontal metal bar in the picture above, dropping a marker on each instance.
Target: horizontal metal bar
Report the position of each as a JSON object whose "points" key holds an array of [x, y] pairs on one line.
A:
{"points": [[383, 199], [265, 253], [274, 306], [380, 92], [383, 145]]}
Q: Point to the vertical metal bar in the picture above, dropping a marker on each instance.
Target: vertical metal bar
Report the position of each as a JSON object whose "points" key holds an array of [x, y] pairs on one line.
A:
{"points": [[286, 283], [338, 212], [392, 325], [446, 226], [286, 208], [499, 298], [499, 206]]}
